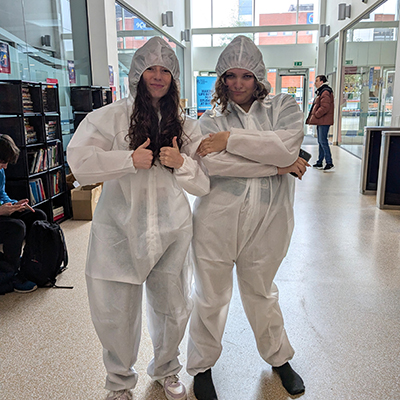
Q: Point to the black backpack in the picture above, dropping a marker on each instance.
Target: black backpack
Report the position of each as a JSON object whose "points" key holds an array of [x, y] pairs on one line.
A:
{"points": [[45, 254], [7, 274]]}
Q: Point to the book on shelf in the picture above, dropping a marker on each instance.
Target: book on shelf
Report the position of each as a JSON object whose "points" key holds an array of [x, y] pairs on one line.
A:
{"points": [[52, 155], [56, 218], [27, 102], [37, 191], [37, 161], [55, 183], [58, 213], [30, 134], [51, 129]]}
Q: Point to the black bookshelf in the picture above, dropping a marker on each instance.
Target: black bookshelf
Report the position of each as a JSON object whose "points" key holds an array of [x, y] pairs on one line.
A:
{"points": [[85, 99], [30, 114]]}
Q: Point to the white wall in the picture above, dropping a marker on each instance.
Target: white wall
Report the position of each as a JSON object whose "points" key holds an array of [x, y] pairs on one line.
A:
{"points": [[357, 8], [205, 58]]}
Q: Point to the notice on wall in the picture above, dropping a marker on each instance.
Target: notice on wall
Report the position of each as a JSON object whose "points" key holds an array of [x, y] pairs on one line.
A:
{"points": [[205, 90], [71, 71], [111, 75], [5, 64]]}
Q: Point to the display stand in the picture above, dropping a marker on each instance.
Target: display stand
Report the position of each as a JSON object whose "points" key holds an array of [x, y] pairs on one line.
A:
{"points": [[85, 99], [30, 114], [371, 157], [388, 192]]}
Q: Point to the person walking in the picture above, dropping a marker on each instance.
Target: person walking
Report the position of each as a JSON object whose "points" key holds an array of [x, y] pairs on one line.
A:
{"points": [[251, 144], [321, 115]]}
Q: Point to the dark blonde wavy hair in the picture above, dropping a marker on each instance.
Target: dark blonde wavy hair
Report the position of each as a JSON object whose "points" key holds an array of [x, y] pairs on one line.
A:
{"points": [[221, 95], [145, 122]]}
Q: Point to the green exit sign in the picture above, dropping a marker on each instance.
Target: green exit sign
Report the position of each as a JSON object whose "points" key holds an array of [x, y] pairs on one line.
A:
{"points": [[349, 62], [298, 63]]}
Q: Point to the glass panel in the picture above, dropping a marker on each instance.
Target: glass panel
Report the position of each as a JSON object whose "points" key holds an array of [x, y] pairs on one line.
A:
{"points": [[294, 85], [368, 70], [40, 46], [307, 36], [201, 13], [201, 40], [331, 56], [271, 78], [308, 11], [13, 40], [223, 40], [226, 13], [284, 12], [281, 12], [268, 38]]}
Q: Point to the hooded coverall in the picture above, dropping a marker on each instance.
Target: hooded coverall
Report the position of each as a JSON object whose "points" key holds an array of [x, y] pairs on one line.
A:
{"points": [[141, 232], [247, 219]]}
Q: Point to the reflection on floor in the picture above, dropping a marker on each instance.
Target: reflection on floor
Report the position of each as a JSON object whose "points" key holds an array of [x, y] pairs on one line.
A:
{"points": [[355, 149], [340, 297]]}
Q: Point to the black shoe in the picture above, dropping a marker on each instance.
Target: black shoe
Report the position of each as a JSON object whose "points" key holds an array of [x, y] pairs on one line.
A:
{"points": [[291, 380], [203, 386], [329, 168], [318, 166]]}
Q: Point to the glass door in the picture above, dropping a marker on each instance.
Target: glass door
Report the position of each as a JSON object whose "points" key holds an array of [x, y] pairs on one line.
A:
{"points": [[295, 83]]}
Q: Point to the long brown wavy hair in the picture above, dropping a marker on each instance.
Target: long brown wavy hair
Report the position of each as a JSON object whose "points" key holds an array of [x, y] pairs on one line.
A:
{"points": [[221, 94], [145, 122]]}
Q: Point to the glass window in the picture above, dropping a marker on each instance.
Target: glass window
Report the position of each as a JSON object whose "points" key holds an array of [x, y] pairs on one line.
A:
{"points": [[271, 78], [223, 13], [41, 46], [132, 33], [201, 13], [224, 39], [367, 86], [277, 38], [201, 40]]}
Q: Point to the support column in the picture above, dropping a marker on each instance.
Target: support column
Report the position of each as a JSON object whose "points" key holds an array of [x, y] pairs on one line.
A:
{"points": [[103, 41], [396, 89]]}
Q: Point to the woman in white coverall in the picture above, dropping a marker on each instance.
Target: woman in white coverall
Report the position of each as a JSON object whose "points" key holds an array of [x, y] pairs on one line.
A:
{"points": [[142, 226], [252, 145]]}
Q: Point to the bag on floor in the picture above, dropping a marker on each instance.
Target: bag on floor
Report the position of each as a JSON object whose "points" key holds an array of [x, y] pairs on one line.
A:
{"points": [[7, 274], [45, 254]]}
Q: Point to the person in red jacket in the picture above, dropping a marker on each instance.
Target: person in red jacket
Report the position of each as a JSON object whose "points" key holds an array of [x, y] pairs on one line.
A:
{"points": [[321, 114]]}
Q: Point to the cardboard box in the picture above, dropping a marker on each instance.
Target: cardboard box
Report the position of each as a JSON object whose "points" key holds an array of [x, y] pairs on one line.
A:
{"points": [[70, 181], [84, 200]]}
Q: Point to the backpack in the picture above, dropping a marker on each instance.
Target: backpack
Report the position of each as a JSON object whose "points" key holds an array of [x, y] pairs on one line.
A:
{"points": [[7, 274], [45, 254]]}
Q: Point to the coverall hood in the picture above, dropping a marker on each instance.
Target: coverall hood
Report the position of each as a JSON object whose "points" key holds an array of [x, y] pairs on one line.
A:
{"points": [[243, 53], [155, 51]]}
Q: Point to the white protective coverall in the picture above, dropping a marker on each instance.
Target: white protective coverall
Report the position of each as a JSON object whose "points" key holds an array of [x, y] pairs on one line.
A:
{"points": [[246, 219], [141, 232]]}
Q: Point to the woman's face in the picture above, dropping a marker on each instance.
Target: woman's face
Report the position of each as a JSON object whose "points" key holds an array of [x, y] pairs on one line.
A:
{"points": [[157, 80], [3, 165], [241, 85]]}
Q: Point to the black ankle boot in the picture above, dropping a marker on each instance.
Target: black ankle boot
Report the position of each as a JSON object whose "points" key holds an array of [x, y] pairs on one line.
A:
{"points": [[203, 386], [291, 380]]}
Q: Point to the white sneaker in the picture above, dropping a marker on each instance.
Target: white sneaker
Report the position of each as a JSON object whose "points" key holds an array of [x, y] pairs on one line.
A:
{"points": [[174, 389], [119, 395]]}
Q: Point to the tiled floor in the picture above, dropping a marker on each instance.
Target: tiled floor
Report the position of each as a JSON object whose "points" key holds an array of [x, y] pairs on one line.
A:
{"points": [[340, 296]]}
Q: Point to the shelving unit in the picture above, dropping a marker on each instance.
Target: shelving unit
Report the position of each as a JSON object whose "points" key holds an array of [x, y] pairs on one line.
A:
{"points": [[30, 114], [85, 99]]}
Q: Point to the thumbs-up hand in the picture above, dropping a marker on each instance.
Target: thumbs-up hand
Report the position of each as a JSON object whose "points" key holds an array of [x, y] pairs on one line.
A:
{"points": [[171, 156], [142, 157]]}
